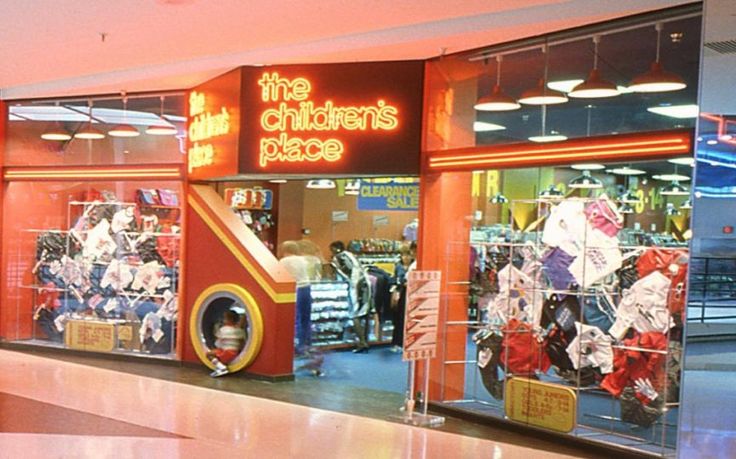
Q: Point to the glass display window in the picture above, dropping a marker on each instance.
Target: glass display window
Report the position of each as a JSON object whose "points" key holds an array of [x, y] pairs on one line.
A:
{"points": [[524, 91], [93, 265], [118, 130], [577, 299]]}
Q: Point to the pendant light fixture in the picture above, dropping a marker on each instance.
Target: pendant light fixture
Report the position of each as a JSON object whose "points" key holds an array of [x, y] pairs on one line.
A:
{"points": [[124, 129], [352, 187], [542, 94], [657, 79], [585, 181], [554, 136], [671, 210], [57, 132], [628, 197], [89, 132], [498, 101], [625, 208], [551, 193], [321, 184], [674, 189], [161, 129], [594, 86], [499, 199]]}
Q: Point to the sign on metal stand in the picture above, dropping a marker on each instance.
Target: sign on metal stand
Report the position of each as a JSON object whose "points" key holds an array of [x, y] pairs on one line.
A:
{"points": [[420, 340]]}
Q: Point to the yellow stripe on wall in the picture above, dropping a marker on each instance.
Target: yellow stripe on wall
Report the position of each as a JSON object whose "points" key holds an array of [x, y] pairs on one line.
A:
{"points": [[214, 227]]}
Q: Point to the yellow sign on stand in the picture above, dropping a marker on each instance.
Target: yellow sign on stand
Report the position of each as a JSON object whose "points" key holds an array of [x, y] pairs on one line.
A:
{"points": [[90, 335], [541, 404]]}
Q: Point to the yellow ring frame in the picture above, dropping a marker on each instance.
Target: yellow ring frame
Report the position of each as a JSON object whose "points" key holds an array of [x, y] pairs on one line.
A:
{"points": [[253, 313]]}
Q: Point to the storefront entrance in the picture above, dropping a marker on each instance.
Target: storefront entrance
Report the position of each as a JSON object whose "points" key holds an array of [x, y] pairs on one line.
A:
{"points": [[375, 220]]}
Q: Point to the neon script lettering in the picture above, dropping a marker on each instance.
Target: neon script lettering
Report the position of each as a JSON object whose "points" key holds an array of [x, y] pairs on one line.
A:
{"points": [[308, 117], [204, 126]]}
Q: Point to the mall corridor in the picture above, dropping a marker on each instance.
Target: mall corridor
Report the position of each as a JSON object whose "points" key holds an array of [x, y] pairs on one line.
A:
{"points": [[57, 409]]}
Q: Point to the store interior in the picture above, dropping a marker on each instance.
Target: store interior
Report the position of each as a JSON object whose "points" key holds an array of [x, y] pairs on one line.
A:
{"points": [[374, 217]]}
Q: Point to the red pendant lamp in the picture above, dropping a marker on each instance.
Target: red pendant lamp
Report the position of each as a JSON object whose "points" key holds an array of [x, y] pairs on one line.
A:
{"points": [[657, 79], [594, 86], [498, 101]]}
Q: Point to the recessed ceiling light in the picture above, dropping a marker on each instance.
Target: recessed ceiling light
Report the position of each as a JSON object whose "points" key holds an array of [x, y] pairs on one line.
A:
{"points": [[482, 126], [676, 111], [671, 177], [712, 142], [563, 85], [588, 166], [277, 181], [686, 161], [626, 171], [547, 138]]}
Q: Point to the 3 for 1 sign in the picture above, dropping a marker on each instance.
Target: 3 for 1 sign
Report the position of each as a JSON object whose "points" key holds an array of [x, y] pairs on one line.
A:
{"points": [[422, 310]]}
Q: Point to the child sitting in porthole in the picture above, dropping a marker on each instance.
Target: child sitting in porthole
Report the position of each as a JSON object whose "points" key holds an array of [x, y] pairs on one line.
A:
{"points": [[230, 341]]}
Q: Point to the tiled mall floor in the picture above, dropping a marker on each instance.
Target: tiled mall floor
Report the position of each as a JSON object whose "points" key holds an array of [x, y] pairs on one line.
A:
{"points": [[53, 408]]}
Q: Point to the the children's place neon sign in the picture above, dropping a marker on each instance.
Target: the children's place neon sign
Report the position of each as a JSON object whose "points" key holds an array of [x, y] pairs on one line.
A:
{"points": [[204, 126], [295, 114]]}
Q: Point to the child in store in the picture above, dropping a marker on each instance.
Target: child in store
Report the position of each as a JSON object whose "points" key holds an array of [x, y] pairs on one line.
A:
{"points": [[230, 340]]}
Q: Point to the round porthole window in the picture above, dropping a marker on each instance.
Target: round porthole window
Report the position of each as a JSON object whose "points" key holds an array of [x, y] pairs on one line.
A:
{"points": [[226, 305]]}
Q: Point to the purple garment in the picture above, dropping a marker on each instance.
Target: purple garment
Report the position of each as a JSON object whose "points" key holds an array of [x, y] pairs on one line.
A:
{"points": [[555, 264]]}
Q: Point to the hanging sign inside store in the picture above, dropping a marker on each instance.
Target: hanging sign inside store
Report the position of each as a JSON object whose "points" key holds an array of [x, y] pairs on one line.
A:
{"points": [[422, 311], [550, 406], [214, 128], [339, 215], [330, 118], [255, 198], [389, 194]]}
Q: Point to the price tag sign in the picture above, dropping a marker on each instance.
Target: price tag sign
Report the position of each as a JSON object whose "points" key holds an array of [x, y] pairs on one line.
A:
{"points": [[422, 310]]}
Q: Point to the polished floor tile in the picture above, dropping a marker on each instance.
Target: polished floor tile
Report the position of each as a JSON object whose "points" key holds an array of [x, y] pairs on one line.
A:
{"points": [[218, 423]]}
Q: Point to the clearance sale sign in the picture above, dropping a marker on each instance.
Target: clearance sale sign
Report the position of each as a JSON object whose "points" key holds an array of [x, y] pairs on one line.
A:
{"points": [[332, 118]]}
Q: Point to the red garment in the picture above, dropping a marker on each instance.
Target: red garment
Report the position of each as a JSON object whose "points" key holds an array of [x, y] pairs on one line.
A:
{"points": [[168, 247], [521, 353], [48, 296], [673, 264], [226, 355], [630, 364]]}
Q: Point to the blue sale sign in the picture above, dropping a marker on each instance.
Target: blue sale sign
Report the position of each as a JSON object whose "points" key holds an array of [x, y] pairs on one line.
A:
{"points": [[389, 194]]}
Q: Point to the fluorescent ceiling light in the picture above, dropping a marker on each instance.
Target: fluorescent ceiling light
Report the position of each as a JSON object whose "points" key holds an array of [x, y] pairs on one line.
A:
{"points": [[482, 126], [588, 166], [686, 161], [626, 171], [676, 111], [49, 113], [671, 177], [547, 138], [712, 142], [564, 85], [277, 181]]}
